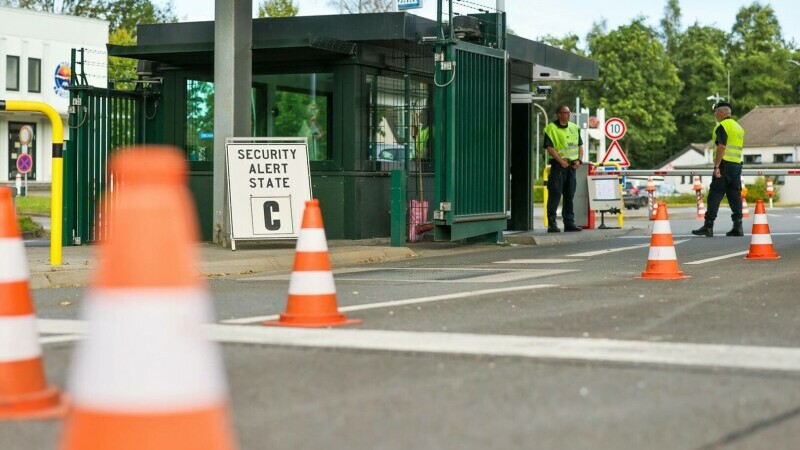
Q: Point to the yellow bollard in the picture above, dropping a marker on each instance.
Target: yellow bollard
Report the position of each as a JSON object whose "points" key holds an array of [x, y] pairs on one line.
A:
{"points": [[545, 176]]}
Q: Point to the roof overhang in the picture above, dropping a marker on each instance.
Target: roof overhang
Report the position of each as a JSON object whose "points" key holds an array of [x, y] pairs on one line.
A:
{"points": [[550, 63]]}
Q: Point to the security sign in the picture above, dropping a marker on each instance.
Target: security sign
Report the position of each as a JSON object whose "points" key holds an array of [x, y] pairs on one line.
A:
{"points": [[268, 182]]}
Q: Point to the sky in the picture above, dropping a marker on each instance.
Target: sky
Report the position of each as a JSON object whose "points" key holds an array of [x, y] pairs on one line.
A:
{"points": [[537, 18]]}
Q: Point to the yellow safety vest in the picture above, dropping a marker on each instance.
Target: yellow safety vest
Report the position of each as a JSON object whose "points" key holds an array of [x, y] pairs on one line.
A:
{"points": [[565, 140], [733, 148]]}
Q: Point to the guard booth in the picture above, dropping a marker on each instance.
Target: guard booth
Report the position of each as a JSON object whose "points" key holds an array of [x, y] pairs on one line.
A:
{"points": [[363, 89]]}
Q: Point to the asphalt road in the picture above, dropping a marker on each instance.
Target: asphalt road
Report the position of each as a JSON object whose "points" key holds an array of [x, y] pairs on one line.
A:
{"points": [[517, 347]]}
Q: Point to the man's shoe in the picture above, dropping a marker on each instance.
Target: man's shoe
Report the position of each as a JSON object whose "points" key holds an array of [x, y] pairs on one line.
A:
{"points": [[736, 230], [553, 229], [704, 231], [571, 228]]}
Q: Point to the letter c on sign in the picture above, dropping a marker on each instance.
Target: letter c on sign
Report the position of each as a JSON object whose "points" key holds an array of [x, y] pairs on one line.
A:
{"points": [[269, 208]]}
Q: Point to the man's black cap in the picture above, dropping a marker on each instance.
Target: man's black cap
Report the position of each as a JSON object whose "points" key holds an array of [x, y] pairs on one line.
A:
{"points": [[721, 104]]}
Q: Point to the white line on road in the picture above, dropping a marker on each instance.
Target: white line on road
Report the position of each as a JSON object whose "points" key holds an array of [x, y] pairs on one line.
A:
{"points": [[413, 301], [58, 339], [612, 250], [538, 261], [717, 258], [781, 359]]}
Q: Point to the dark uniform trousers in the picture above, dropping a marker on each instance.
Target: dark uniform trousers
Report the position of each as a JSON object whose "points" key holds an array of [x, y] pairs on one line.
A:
{"points": [[728, 184], [561, 182]]}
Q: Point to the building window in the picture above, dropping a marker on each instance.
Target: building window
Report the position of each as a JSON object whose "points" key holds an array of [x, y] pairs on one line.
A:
{"points": [[395, 128], [34, 75], [752, 159], [12, 73], [783, 158]]}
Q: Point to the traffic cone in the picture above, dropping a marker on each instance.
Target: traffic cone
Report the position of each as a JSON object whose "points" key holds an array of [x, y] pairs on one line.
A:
{"points": [[312, 293], [662, 264], [701, 207], [745, 209], [761, 241], [146, 377], [24, 392]]}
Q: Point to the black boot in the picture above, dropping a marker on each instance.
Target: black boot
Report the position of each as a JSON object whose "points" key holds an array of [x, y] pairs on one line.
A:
{"points": [[706, 230], [552, 226], [736, 230]]}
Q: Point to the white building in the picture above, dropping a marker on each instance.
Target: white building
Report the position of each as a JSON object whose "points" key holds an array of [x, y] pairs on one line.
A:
{"points": [[35, 54], [772, 141]]}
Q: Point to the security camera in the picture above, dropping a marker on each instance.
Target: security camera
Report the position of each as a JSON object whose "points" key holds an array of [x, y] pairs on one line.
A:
{"points": [[544, 90]]}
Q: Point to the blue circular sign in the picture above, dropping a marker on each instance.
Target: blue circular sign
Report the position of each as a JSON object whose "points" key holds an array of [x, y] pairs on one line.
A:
{"points": [[24, 163]]}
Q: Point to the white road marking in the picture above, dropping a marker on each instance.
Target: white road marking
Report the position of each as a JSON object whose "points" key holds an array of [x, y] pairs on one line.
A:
{"points": [[508, 275], [780, 359], [413, 301], [538, 261], [60, 338], [617, 249], [717, 258]]}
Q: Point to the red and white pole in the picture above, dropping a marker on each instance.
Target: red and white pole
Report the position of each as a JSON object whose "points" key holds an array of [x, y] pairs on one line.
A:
{"points": [[770, 191], [652, 207], [698, 191]]}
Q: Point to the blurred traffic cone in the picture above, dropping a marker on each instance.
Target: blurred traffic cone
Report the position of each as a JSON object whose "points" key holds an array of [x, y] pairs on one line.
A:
{"points": [[761, 241], [701, 207], [662, 264], [24, 392], [146, 377], [651, 203], [312, 293], [745, 208]]}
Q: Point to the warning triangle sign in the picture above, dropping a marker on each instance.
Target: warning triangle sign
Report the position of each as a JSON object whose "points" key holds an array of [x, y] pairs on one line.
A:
{"points": [[615, 154]]}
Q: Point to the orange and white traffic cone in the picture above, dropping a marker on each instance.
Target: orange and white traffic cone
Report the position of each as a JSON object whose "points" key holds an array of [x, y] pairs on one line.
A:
{"points": [[24, 392], [745, 208], [662, 263], [761, 241], [146, 377], [312, 293]]}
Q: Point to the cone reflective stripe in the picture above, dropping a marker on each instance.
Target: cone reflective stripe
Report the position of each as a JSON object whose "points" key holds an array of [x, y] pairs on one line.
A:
{"points": [[761, 241], [312, 291], [24, 392], [146, 377], [662, 262]]}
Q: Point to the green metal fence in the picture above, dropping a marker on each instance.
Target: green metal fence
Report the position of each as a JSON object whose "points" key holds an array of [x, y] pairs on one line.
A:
{"points": [[100, 121]]}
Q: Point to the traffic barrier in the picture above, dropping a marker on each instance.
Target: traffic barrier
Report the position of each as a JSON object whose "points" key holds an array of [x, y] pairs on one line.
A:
{"points": [[312, 292], [698, 190], [24, 392], [761, 241], [662, 263], [146, 377], [651, 203], [770, 191]]}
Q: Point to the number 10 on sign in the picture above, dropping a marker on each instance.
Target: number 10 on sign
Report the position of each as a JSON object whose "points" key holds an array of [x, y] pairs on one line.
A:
{"points": [[615, 128]]}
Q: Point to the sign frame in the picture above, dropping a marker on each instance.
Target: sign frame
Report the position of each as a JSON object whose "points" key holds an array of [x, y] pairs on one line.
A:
{"points": [[622, 130], [247, 222]]}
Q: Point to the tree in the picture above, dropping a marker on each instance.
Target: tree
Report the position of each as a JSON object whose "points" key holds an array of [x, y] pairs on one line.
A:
{"points": [[671, 26], [757, 58], [278, 8], [361, 6], [638, 83], [700, 62]]}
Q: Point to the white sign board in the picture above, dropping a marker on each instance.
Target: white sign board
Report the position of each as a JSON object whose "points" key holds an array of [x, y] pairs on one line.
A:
{"points": [[268, 184], [408, 4]]}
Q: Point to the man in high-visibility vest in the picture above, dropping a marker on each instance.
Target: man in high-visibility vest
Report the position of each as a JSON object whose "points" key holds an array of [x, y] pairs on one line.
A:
{"points": [[728, 137], [563, 142]]}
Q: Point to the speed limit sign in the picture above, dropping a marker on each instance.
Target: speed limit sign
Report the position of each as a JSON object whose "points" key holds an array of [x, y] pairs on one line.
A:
{"points": [[615, 128]]}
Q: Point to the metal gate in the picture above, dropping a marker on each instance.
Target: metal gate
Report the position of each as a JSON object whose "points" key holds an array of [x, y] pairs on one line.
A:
{"points": [[472, 178], [100, 121]]}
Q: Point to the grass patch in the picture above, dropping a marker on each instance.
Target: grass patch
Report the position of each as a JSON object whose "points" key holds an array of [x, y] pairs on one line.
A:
{"points": [[33, 205], [27, 225]]}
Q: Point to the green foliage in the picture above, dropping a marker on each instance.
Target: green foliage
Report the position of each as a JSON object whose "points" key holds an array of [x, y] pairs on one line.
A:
{"points": [[639, 83], [27, 225], [33, 205], [278, 8], [758, 191]]}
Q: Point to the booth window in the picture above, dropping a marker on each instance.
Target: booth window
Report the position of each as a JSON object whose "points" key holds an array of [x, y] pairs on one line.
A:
{"points": [[34, 75], [290, 105], [12, 73], [397, 130]]}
